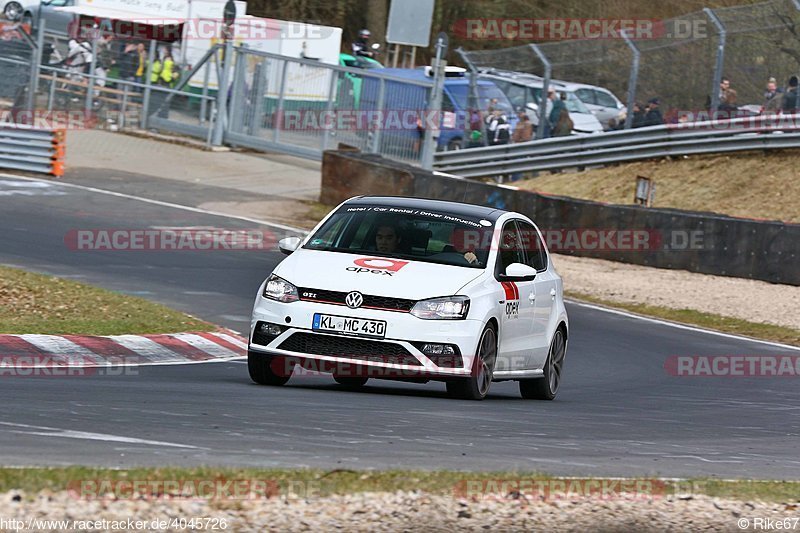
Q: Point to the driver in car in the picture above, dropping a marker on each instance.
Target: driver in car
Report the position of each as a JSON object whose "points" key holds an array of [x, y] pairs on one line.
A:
{"points": [[387, 241]]}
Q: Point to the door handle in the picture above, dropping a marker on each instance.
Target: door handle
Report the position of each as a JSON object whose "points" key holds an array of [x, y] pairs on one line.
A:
{"points": [[532, 296], [553, 293]]}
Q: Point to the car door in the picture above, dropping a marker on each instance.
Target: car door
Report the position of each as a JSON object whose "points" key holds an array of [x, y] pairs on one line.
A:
{"points": [[588, 98], [516, 300], [544, 288], [57, 21], [608, 106]]}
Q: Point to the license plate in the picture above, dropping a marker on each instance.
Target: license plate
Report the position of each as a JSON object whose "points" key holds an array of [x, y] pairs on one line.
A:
{"points": [[360, 327]]}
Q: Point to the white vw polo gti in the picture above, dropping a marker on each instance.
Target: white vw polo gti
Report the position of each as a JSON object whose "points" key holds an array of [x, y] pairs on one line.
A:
{"points": [[414, 290]]}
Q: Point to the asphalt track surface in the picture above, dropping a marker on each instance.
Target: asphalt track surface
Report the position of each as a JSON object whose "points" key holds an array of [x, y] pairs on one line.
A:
{"points": [[618, 413]]}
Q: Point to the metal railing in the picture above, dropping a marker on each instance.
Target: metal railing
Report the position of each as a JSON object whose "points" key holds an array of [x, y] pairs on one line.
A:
{"points": [[715, 136], [32, 149]]}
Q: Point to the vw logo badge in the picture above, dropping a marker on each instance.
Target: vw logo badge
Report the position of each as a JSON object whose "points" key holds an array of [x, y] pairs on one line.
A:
{"points": [[354, 300]]}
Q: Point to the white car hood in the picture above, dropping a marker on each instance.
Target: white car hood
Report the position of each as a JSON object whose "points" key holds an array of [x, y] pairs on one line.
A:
{"points": [[585, 122], [343, 272]]}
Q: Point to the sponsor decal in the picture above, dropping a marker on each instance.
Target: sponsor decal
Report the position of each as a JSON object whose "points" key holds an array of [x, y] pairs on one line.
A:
{"points": [[377, 265], [512, 300]]}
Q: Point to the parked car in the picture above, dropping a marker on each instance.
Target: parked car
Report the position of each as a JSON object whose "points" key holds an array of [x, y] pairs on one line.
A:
{"points": [[599, 100], [414, 289], [525, 92], [56, 21], [408, 94]]}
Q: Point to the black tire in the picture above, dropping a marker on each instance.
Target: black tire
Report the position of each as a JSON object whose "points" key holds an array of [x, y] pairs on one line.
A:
{"points": [[268, 370], [454, 145], [13, 11], [351, 383], [546, 388], [476, 387]]}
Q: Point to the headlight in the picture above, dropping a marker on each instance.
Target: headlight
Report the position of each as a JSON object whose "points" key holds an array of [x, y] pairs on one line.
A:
{"points": [[281, 290], [450, 308]]}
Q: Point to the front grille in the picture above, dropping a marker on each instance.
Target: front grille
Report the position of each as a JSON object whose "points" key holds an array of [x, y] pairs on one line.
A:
{"points": [[370, 302], [363, 350]]}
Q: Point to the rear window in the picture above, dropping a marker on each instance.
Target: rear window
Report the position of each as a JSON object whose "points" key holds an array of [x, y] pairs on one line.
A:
{"points": [[416, 234]]}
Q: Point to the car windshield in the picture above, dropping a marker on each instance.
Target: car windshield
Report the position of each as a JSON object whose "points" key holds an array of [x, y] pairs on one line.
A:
{"points": [[429, 236], [486, 93], [574, 104], [360, 62]]}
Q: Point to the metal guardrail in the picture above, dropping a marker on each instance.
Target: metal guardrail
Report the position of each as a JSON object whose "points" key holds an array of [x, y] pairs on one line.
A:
{"points": [[32, 149], [709, 137]]}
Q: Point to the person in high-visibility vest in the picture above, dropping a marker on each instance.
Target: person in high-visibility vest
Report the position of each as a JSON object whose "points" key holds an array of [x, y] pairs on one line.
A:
{"points": [[167, 70], [157, 67]]}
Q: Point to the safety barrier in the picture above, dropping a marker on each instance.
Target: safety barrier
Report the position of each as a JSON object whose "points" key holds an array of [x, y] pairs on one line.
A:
{"points": [[707, 137], [32, 149]]}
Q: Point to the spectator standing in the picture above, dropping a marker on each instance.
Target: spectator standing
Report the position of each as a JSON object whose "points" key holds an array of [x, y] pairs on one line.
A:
{"points": [[564, 125], [500, 128], [653, 115], [638, 116], [790, 97], [555, 113], [524, 130], [728, 106], [141, 63]]}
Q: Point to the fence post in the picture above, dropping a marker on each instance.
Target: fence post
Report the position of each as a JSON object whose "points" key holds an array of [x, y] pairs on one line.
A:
{"points": [[374, 144], [36, 62], [222, 95], [276, 134], [473, 100], [720, 59], [147, 84], [633, 80], [431, 140], [329, 108], [204, 101], [90, 81], [548, 72], [236, 111]]}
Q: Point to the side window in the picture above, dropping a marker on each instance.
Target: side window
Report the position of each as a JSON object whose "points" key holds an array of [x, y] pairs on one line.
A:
{"points": [[604, 99], [535, 255], [586, 95], [447, 104], [510, 248]]}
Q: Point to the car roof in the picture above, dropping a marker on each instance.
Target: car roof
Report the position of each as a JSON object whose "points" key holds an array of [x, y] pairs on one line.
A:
{"points": [[452, 208], [419, 74], [529, 80]]}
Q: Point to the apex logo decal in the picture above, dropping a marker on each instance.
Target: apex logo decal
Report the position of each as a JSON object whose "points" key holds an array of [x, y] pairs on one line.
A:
{"points": [[512, 300], [377, 265]]}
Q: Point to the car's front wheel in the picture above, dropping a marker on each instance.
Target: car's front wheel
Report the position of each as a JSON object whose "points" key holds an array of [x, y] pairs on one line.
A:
{"points": [[476, 387], [546, 388], [13, 11], [268, 370]]}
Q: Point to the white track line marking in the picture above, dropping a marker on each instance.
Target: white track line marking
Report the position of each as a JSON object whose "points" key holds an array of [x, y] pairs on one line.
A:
{"points": [[84, 435], [73, 354], [164, 204], [303, 232], [204, 345], [680, 326]]}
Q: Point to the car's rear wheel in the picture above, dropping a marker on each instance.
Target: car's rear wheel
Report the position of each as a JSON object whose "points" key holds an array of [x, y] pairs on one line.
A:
{"points": [[546, 388], [268, 370], [351, 382], [476, 387], [13, 11]]}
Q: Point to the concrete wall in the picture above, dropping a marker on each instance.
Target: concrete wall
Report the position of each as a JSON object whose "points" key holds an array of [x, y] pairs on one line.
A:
{"points": [[698, 242]]}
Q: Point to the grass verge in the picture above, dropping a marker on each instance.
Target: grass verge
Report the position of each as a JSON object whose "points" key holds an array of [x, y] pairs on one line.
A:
{"points": [[35, 303], [324, 483], [691, 317]]}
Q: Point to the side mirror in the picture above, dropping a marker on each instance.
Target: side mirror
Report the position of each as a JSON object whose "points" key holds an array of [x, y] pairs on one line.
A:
{"points": [[519, 272], [288, 245]]}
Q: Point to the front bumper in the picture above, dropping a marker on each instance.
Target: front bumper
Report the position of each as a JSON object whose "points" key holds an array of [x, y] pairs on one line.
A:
{"points": [[398, 354]]}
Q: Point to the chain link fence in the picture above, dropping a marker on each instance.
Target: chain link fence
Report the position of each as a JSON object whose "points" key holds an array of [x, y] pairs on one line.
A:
{"points": [[679, 61]]}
